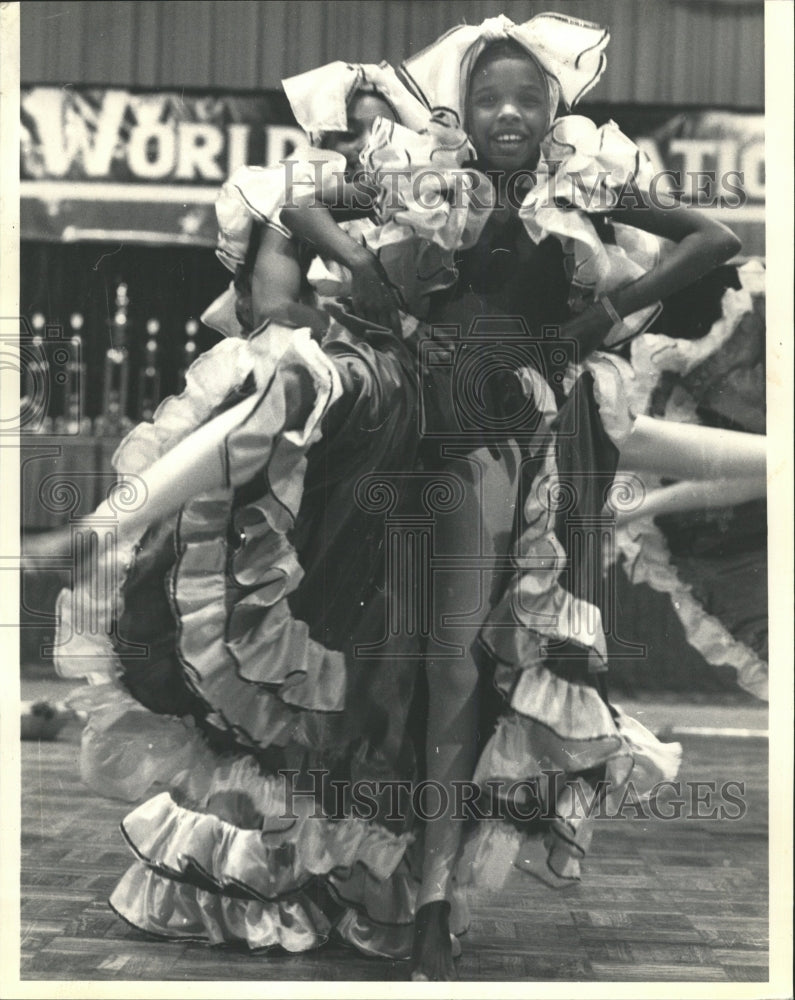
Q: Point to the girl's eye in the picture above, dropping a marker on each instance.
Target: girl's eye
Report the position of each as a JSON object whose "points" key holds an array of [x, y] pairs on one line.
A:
{"points": [[485, 100]]}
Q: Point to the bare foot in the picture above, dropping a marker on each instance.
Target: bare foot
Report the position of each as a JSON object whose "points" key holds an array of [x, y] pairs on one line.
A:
{"points": [[432, 953]]}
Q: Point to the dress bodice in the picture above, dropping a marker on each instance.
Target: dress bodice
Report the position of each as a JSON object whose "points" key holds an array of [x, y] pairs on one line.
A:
{"points": [[507, 274]]}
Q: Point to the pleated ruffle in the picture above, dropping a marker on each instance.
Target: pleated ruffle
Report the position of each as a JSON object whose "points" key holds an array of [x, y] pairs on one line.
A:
{"points": [[569, 803], [126, 749], [536, 608], [261, 705], [181, 911], [640, 545], [583, 171], [646, 558], [252, 663], [555, 718], [263, 863]]}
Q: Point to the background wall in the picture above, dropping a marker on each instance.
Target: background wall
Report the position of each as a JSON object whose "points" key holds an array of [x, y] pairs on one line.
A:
{"points": [[669, 53], [662, 51]]}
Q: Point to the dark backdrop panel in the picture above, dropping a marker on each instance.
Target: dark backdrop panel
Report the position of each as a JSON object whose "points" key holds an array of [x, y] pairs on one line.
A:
{"points": [[666, 51], [172, 286]]}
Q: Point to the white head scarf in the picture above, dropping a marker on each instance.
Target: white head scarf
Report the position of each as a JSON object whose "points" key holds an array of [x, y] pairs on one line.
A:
{"points": [[320, 97], [570, 53]]}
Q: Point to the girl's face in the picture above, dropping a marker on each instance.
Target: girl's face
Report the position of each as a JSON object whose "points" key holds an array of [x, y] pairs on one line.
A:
{"points": [[362, 112], [507, 112]]}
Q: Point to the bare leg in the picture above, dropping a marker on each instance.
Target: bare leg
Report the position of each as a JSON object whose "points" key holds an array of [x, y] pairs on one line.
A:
{"points": [[690, 451], [451, 738], [450, 753], [194, 466], [696, 495]]}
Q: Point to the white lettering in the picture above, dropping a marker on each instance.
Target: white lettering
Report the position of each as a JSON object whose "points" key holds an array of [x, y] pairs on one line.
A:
{"points": [[237, 147], [280, 141], [199, 145], [67, 136], [145, 139]]}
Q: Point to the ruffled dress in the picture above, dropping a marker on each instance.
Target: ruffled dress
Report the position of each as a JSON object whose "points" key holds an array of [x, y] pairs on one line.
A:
{"points": [[257, 692], [713, 367]]}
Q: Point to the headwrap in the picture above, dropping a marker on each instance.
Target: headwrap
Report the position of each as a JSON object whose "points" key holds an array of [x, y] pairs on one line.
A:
{"points": [[320, 97], [570, 53]]}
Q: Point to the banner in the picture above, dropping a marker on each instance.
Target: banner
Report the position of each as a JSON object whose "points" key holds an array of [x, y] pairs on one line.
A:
{"points": [[110, 164], [139, 166], [713, 159]]}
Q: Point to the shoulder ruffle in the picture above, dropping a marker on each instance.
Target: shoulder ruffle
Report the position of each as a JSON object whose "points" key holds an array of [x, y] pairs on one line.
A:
{"points": [[597, 161], [584, 171], [423, 186], [427, 207], [251, 194]]}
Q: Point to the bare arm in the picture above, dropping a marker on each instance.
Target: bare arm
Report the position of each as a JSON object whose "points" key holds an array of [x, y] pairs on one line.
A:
{"points": [[276, 285], [372, 297], [700, 245]]}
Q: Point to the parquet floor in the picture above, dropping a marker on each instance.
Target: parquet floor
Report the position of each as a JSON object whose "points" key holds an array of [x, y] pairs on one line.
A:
{"points": [[682, 900]]}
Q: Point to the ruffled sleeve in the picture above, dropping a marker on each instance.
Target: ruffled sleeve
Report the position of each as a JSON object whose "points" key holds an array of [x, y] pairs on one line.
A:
{"points": [[423, 186], [586, 171], [427, 206], [251, 194], [258, 194]]}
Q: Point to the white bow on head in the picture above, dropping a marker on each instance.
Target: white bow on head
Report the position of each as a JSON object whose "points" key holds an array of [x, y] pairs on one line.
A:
{"points": [[320, 97], [570, 52]]}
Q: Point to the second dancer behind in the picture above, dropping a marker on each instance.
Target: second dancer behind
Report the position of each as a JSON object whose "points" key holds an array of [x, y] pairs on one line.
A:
{"points": [[259, 667]]}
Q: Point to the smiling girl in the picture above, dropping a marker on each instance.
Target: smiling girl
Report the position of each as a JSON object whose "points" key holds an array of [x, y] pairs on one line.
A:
{"points": [[270, 576], [590, 268]]}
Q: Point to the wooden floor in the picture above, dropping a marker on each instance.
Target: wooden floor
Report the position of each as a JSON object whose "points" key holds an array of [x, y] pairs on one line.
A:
{"points": [[683, 900]]}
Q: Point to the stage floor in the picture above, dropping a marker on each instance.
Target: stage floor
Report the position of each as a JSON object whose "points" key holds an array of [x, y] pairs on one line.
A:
{"points": [[665, 901]]}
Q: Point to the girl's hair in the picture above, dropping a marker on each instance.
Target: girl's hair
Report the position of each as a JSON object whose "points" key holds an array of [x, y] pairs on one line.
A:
{"points": [[502, 48], [365, 90], [509, 48]]}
